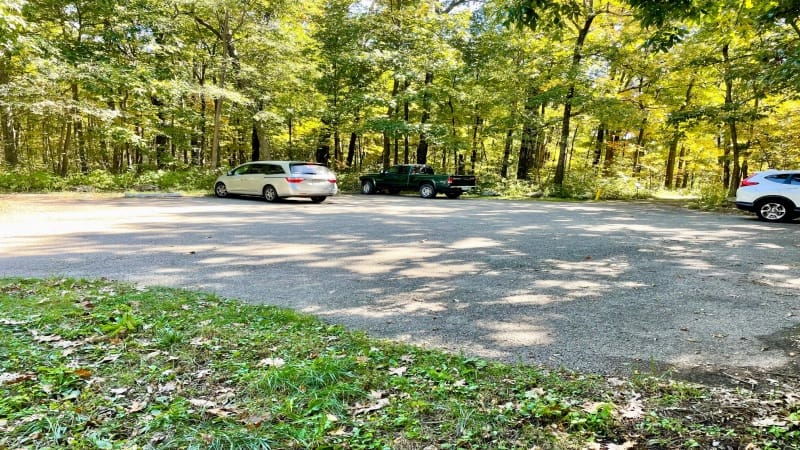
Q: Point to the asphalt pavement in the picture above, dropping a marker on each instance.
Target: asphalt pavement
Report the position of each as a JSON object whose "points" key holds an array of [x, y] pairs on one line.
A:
{"points": [[602, 287]]}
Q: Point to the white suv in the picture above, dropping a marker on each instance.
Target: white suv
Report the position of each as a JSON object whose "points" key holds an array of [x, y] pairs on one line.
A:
{"points": [[774, 195]]}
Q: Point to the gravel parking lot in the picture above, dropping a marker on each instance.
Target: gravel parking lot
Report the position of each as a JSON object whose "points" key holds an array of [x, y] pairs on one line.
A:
{"points": [[600, 287]]}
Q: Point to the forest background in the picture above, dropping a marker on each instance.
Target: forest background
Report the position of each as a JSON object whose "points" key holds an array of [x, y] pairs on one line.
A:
{"points": [[562, 97]]}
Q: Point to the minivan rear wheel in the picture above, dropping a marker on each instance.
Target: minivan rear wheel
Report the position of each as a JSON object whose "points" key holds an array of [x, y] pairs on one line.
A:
{"points": [[775, 210], [270, 194]]}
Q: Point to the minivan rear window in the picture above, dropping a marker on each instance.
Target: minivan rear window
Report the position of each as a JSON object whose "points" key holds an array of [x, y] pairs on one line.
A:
{"points": [[309, 169]]}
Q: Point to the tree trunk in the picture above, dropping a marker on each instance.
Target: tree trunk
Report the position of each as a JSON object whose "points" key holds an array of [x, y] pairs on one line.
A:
{"points": [[351, 149], [599, 144], [735, 175], [387, 141], [530, 137], [475, 133], [577, 55], [10, 149], [507, 153], [422, 146]]}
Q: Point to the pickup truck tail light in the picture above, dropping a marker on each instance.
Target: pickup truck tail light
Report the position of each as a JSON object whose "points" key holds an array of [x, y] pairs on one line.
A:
{"points": [[449, 180], [294, 180]]}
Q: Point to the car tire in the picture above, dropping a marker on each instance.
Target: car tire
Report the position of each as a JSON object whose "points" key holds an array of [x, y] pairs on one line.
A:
{"points": [[774, 210], [427, 191], [453, 195], [318, 199], [367, 187], [220, 190], [270, 194]]}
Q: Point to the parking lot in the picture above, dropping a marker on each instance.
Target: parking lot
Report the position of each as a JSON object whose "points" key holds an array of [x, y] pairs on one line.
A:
{"points": [[602, 287]]}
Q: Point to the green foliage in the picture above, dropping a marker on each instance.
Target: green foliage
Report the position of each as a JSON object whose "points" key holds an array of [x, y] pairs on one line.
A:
{"points": [[711, 197], [189, 179]]}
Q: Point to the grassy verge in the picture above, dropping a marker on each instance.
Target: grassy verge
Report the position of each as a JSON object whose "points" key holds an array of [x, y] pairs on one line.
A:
{"points": [[101, 365]]}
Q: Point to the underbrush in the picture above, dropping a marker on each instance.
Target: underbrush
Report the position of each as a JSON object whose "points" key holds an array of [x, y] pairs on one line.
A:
{"points": [[188, 179], [96, 364]]}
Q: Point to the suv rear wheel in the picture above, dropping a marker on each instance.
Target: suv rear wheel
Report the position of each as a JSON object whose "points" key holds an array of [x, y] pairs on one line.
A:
{"points": [[773, 210]]}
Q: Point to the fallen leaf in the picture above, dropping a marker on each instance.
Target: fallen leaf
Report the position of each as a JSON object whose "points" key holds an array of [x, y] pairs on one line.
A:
{"points": [[338, 432], [200, 403], [634, 409], [83, 373], [256, 421], [47, 337], [14, 378], [399, 371], [119, 391], [219, 412], [534, 393], [137, 406], [169, 387], [362, 409], [769, 422], [272, 362]]}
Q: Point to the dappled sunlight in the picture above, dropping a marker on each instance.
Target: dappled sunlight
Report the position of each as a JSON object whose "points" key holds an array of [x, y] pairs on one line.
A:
{"points": [[607, 267], [524, 299], [474, 242], [569, 283], [517, 334]]}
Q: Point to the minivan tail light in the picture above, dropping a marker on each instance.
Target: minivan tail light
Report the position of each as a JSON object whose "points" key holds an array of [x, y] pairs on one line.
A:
{"points": [[747, 182], [294, 180]]}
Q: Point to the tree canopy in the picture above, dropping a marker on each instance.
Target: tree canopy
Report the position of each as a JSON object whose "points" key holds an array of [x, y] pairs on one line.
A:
{"points": [[558, 93]]}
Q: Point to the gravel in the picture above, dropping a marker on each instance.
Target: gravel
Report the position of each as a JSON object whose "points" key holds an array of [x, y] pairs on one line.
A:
{"points": [[608, 287]]}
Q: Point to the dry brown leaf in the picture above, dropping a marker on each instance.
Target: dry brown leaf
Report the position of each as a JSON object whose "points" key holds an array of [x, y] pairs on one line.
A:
{"points": [[341, 431], [137, 406], [256, 421], [219, 412], [168, 387], [399, 371], [200, 403], [272, 362], [14, 377], [46, 337], [83, 373], [362, 409]]}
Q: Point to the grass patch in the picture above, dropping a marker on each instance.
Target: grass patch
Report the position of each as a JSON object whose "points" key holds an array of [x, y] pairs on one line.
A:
{"points": [[102, 365]]}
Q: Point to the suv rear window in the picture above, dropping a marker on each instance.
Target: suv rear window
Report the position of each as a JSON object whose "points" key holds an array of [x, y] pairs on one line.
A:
{"points": [[780, 178]]}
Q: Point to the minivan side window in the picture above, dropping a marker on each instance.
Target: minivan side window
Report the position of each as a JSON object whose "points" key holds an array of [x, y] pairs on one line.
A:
{"points": [[795, 179], [273, 169]]}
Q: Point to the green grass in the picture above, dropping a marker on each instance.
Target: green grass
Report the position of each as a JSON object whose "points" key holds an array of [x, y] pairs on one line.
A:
{"points": [[102, 365]]}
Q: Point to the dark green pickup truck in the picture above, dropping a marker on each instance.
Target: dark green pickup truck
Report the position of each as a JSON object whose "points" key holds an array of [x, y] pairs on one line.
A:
{"points": [[416, 177]]}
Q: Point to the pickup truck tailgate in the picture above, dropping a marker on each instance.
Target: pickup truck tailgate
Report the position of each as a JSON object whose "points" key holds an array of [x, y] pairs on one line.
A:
{"points": [[462, 180]]}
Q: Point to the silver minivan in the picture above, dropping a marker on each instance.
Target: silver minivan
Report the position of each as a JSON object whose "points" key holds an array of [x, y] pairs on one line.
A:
{"points": [[274, 180]]}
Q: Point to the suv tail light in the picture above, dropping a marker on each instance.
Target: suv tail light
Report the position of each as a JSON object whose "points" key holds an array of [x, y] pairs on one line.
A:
{"points": [[294, 180], [747, 182]]}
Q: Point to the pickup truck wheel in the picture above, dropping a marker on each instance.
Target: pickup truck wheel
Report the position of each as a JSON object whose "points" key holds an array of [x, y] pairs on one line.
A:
{"points": [[367, 187], [427, 191], [453, 195]]}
